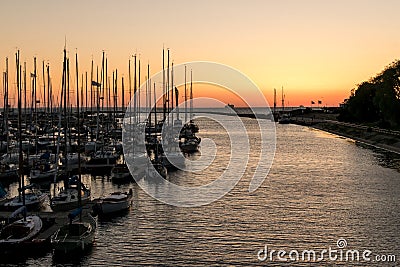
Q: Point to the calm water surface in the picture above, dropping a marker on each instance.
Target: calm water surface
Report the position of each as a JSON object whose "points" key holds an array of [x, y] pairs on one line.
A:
{"points": [[320, 188]]}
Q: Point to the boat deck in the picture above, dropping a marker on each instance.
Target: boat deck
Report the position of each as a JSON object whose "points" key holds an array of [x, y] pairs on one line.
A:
{"points": [[52, 221]]}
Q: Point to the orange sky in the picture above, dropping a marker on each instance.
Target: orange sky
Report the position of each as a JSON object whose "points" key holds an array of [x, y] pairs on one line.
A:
{"points": [[316, 50]]}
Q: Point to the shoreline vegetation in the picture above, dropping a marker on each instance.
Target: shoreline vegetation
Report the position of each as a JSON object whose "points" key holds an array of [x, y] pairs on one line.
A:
{"points": [[375, 102]]}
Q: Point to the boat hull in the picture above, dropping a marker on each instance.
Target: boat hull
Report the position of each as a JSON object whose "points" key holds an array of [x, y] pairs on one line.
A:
{"points": [[10, 240], [65, 206], [115, 203], [67, 242], [114, 207]]}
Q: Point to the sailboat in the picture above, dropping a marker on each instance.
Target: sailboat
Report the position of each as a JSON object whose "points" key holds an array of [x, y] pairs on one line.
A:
{"points": [[34, 199], [67, 198], [120, 173], [74, 236], [28, 196], [8, 171], [190, 141], [43, 171], [21, 232], [285, 119]]}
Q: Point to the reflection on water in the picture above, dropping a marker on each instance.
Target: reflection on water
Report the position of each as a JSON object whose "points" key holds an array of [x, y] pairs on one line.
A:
{"points": [[320, 188]]}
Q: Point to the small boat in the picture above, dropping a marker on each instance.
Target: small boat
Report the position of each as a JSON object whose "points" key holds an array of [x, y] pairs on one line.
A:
{"points": [[34, 199], [285, 119], [21, 232], [190, 144], [73, 161], [75, 236], [113, 203], [43, 171], [67, 198], [92, 146], [8, 171], [106, 157], [120, 172]]}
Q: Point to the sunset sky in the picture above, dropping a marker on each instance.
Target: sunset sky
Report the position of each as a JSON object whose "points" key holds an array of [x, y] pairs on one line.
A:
{"points": [[315, 49]]}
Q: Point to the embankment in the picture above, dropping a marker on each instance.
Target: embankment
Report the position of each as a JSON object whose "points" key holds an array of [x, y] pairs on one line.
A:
{"points": [[384, 139]]}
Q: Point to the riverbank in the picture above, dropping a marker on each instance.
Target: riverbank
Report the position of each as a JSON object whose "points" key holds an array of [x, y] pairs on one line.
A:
{"points": [[376, 137]]}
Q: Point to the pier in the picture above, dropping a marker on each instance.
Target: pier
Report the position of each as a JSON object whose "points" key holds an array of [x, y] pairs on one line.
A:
{"points": [[52, 221]]}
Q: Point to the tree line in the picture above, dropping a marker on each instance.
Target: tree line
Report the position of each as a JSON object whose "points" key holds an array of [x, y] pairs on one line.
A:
{"points": [[376, 101]]}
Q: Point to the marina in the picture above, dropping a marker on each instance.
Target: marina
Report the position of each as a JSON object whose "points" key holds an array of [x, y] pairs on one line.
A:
{"points": [[75, 180], [132, 237], [199, 133]]}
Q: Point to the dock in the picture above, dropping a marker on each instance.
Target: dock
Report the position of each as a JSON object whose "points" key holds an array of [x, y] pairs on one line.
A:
{"points": [[52, 221]]}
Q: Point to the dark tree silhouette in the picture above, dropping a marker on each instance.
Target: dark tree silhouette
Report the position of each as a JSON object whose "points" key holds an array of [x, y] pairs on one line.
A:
{"points": [[377, 100]]}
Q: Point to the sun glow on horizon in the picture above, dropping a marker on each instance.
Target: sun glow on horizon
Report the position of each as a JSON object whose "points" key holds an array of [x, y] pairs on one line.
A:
{"points": [[316, 50]]}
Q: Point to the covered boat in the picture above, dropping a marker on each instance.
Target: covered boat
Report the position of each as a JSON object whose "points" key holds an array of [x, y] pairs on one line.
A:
{"points": [[113, 203]]}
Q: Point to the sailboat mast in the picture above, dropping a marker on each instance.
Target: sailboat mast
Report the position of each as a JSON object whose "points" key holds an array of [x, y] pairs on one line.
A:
{"points": [[191, 95], [123, 95], [168, 96], [139, 90], [177, 103], [115, 97], [185, 98], [59, 127], [79, 138], [134, 90], [49, 95], [34, 88], [20, 156], [172, 93], [48, 92], [81, 99], [86, 91], [108, 89], [129, 81], [44, 88], [91, 89], [155, 106], [274, 102], [25, 93], [163, 85], [5, 124], [148, 93]]}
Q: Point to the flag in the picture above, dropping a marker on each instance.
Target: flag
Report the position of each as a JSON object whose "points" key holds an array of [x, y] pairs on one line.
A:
{"points": [[94, 83]]}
